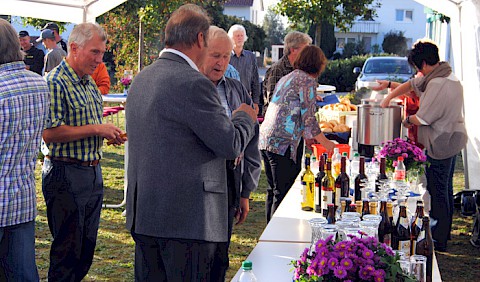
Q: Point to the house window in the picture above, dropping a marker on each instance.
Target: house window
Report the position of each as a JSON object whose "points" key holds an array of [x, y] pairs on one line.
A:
{"points": [[404, 15]]}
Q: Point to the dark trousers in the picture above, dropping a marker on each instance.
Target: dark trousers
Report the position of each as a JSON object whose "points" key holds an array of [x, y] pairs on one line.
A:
{"points": [[440, 186], [173, 260], [17, 252], [74, 196], [281, 173]]}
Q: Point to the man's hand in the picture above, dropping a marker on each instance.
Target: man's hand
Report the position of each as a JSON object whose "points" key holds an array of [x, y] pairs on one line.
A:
{"points": [[249, 110], [242, 211], [115, 135]]}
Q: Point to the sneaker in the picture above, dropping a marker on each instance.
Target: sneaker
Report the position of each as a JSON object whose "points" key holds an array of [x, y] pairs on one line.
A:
{"points": [[475, 243]]}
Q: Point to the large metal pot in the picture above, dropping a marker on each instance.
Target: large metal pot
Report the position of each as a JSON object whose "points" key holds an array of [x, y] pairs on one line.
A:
{"points": [[376, 124]]}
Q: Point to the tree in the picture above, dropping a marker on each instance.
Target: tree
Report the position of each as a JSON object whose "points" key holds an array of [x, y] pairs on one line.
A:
{"points": [[40, 23], [340, 13], [274, 30], [395, 42]]}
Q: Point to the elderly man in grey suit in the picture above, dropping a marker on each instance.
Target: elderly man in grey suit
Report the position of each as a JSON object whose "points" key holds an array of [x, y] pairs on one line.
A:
{"points": [[180, 138]]}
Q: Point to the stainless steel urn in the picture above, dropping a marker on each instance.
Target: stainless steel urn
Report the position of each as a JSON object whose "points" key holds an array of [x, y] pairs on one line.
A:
{"points": [[376, 125]]}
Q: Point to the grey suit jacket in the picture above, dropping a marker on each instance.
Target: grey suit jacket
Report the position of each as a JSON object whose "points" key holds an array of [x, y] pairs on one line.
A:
{"points": [[179, 140]]}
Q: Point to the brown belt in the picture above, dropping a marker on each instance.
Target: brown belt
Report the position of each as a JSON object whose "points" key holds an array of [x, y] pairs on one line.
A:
{"points": [[75, 161]]}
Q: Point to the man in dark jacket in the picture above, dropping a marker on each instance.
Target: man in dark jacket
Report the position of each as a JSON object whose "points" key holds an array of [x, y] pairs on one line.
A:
{"points": [[33, 56], [243, 172]]}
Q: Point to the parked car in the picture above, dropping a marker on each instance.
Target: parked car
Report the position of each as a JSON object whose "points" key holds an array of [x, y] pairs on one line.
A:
{"points": [[383, 68]]}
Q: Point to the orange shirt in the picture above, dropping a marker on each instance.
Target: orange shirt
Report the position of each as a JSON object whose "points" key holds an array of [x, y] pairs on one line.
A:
{"points": [[102, 79]]}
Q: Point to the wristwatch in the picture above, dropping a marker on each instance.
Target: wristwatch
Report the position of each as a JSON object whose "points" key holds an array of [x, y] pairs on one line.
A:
{"points": [[408, 120], [389, 84]]}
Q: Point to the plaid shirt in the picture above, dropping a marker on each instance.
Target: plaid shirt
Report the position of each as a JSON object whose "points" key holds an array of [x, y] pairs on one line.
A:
{"points": [[273, 75], [24, 100], [246, 65], [75, 101]]}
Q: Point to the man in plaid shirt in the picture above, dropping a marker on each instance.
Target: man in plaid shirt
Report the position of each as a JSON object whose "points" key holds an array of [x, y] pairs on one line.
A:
{"points": [[295, 41], [24, 100], [72, 178]]}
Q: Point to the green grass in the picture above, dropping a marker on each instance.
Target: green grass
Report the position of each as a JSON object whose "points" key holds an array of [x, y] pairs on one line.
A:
{"points": [[114, 255]]}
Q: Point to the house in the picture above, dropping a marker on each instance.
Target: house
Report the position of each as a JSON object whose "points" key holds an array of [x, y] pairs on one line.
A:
{"points": [[248, 10], [407, 16]]}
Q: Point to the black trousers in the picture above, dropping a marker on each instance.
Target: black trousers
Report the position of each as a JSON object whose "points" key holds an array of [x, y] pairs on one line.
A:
{"points": [[74, 196], [281, 173], [174, 260]]}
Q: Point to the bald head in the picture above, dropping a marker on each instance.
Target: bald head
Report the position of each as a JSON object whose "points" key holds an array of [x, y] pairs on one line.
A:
{"points": [[218, 54]]}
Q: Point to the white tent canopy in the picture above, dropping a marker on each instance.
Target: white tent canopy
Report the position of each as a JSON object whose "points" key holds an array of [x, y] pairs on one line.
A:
{"points": [[73, 11]]}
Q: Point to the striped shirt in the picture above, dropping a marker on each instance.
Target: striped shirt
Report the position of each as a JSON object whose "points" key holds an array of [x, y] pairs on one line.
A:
{"points": [[246, 65], [222, 92], [24, 100], [273, 75], [75, 101]]}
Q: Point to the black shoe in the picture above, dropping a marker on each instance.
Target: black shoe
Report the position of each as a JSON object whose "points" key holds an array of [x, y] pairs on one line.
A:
{"points": [[440, 247], [475, 243]]}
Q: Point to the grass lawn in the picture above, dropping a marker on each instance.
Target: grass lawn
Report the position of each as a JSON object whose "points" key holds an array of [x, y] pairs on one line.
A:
{"points": [[114, 255]]}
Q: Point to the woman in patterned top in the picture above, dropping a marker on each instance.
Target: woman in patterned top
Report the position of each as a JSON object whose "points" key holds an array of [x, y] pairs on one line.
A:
{"points": [[290, 118]]}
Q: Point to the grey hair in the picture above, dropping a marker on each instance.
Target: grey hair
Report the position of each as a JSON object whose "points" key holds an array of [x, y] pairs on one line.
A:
{"points": [[184, 26], [237, 27], [84, 32], [294, 39], [10, 50], [215, 32]]}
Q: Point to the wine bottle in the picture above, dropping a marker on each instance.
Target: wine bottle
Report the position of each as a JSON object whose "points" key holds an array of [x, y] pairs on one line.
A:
{"points": [[425, 246], [309, 179], [373, 207], [385, 226], [328, 189], [382, 176], [318, 184], [342, 183], [359, 179], [336, 160], [359, 207], [416, 226], [366, 207], [403, 230], [390, 216], [331, 214]]}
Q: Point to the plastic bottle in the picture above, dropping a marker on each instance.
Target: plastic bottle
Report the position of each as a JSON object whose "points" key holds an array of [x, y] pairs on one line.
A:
{"points": [[355, 165], [336, 162], [400, 170], [247, 272]]}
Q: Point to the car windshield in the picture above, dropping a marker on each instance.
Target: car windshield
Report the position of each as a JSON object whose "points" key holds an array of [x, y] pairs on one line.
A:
{"points": [[390, 66]]}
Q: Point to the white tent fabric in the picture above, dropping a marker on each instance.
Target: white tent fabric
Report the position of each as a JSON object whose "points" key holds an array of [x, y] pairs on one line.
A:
{"points": [[73, 11]]}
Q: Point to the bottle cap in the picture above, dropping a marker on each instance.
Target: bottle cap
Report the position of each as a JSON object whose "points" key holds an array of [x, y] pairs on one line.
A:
{"points": [[400, 159], [344, 154], [247, 265], [336, 150], [356, 154]]}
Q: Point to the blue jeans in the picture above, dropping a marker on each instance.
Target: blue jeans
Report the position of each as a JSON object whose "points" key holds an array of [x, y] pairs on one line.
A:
{"points": [[17, 253], [440, 186]]}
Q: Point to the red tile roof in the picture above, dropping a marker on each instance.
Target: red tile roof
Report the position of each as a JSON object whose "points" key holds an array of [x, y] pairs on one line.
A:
{"points": [[239, 3]]}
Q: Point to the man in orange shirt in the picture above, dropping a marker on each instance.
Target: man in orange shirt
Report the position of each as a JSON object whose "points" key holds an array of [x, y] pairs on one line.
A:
{"points": [[102, 79]]}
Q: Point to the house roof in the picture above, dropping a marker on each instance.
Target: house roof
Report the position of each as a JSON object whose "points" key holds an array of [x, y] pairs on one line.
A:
{"points": [[237, 3]]}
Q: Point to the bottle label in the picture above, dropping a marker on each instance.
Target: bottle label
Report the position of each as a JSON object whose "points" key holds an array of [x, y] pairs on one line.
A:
{"points": [[399, 175], [404, 222], [421, 236], [316, 195], [404, 246], [338, 192], [326, 199]]}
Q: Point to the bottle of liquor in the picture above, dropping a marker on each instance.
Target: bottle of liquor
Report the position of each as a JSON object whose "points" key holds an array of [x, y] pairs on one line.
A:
{"points": [[366, 207], [385, 226], [402, 232], [382, 176], [318, 184], [425, 246], [359, 206], [331, 214], [359, 179], [373, 207], [399, 174], [336, 160], [309, 179], [328, 189], [416, 226], [390, 216], [353, 207], [342, 183]]}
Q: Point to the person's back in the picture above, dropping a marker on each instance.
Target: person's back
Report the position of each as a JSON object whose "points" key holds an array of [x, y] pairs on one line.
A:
{"points": [[53, 58]]}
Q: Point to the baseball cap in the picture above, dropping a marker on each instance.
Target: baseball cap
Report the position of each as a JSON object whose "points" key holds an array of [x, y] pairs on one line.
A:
{"points": [[52, 26], [46, 33], [23, 33]]}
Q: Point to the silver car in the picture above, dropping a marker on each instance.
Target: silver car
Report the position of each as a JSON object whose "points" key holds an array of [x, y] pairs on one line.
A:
{"points": [[383, 68]]}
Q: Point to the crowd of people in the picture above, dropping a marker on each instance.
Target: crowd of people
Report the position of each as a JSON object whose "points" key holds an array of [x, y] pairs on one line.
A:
{"points": [[197, 104]]}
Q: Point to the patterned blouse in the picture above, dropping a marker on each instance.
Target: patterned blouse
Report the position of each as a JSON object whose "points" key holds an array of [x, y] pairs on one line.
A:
{"points": [[290, 115]]}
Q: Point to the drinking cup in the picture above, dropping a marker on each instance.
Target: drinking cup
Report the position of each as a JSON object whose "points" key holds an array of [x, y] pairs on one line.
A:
{"points": [[316, 225], [329, 230], [418, 267]]}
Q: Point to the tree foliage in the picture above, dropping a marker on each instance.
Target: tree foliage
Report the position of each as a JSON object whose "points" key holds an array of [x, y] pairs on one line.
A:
{"points": [[340, 13], [40, 23], [394, 42], [274, 29]]}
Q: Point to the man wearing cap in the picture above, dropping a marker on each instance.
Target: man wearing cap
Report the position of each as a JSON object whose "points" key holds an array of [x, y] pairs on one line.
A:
{"points": [[60, 42], [33, 56], [55, 55]]}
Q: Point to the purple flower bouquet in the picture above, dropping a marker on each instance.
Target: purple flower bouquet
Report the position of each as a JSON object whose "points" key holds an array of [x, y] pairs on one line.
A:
{"points": [[360, 259], [413, 156]]}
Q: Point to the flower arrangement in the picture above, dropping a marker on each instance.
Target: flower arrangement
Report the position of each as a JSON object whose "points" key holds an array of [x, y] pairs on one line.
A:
{"points": [[360, 259], [126, 81], [413, 156]]}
